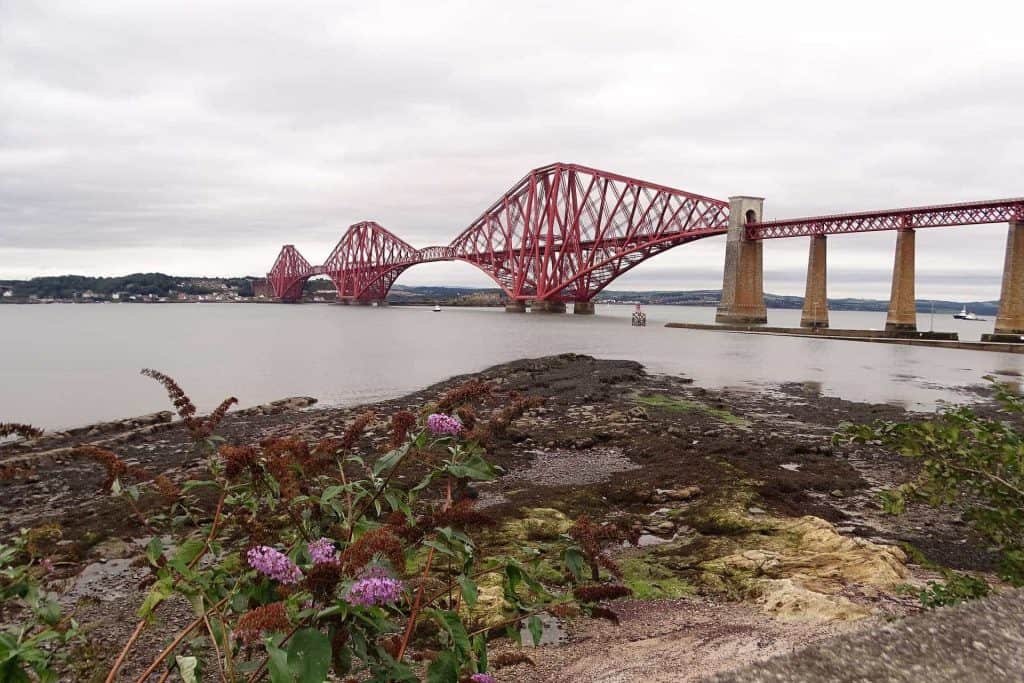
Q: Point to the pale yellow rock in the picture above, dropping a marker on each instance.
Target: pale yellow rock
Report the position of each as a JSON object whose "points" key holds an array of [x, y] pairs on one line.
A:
{"points": [[802, 564], [537, 524], [787, 600], [490, 608]]}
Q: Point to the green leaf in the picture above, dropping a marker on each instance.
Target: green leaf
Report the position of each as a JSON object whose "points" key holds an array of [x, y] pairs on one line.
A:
{"points": [[575, 562], [394, 499], [439, 547], [48, 611], [10, 671], [198, 483], [425, 482], [536, 628], [342, 660], [309, 655], [187, 668], [160, 591], [474, 467], [154, 551], [240, 602], [444, 669], [480, 648], [389, 460], [45, 674], [452, 623], [188, 551], [277, 664], [469, 592], [330, 493]]}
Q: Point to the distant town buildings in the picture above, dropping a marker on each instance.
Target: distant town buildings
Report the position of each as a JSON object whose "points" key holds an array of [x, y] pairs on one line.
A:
{"points": [[137, 288]]}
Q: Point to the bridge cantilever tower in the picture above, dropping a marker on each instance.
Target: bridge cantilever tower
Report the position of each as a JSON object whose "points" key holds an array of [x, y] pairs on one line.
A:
{"points": [[366, 261], [565, 231], [289, 273]]}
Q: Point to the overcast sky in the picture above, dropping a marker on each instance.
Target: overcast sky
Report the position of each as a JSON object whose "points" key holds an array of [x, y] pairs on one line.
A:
{"points": [[197, 137]]}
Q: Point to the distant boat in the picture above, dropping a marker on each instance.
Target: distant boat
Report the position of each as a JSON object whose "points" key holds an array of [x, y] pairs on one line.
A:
{"points": [[965, 315], [437, 308]]}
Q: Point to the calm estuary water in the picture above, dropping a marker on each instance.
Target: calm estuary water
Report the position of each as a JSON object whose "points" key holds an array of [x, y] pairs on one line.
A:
{"points": [[67, 365]]}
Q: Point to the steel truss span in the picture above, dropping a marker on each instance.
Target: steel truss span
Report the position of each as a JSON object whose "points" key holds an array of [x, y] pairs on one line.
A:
{"points": [[564, 232], [946, 215]]}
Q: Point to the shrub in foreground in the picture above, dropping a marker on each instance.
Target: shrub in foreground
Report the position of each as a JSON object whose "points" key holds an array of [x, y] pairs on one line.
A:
{"points": [[972, 462], [301, 558]]}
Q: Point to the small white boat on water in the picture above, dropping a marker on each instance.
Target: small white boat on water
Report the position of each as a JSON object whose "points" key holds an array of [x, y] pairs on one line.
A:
{"points": [[437, 308], [965, 315]]}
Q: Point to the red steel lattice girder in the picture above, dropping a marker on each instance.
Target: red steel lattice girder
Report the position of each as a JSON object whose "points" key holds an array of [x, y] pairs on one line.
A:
{"points": [[289, 273], [946, 215], [367, 260], [565, 231]]}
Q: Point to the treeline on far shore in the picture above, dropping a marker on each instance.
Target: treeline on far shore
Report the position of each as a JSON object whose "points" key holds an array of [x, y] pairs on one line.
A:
{"points": [[161, 287], [127, 287]]}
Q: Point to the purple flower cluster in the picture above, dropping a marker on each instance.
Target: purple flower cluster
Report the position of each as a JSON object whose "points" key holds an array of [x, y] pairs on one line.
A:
{"points": [[483, 678], [274, 564], [440, 424], [375, 590], [322, 551]]}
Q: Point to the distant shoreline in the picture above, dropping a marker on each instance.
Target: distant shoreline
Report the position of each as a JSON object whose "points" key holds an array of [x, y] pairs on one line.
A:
{"points": [[922, 306]]}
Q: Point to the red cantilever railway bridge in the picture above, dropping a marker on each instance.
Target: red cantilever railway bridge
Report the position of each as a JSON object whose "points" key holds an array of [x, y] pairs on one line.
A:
{"points": [[564, 232]]}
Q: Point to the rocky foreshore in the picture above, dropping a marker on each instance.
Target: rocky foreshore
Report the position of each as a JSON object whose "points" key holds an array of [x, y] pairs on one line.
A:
{"points": [[757, 534]]}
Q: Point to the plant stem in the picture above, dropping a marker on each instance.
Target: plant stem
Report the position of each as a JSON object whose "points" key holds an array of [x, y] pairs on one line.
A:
{"points": [[167, 650], [380, 489], [415, 610], [229, 662], [124, 652], [258, 674], [988, 475], [216, 647]]}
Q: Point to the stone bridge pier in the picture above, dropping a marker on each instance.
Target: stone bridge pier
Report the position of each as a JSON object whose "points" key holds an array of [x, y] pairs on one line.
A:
{"points": [[1010, 319], [902, 304], [547, 306], [743, 280], [583, 308], [815, 313]]}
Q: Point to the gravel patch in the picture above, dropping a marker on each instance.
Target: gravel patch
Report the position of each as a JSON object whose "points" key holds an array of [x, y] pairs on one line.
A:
{"points": [[667, 641], [561, 467]]}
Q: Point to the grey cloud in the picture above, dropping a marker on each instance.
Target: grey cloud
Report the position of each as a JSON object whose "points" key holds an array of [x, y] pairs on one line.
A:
{"points": [[132, 129]]}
